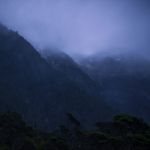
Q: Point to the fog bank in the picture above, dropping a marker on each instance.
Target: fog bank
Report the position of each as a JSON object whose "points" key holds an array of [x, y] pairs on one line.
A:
{"points": [[80, 26]]}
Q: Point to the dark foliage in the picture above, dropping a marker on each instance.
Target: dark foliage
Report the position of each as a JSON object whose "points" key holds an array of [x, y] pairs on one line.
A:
{"points": [[15, 134]]}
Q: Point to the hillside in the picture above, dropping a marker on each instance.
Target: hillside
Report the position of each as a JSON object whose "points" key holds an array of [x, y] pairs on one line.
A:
{"points": [[124, 81], [41, 93]]}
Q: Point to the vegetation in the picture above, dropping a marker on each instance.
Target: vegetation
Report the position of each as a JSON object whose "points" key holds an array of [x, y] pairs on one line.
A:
{"points": [[16, 134]]}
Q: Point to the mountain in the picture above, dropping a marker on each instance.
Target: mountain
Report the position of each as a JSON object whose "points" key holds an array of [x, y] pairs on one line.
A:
{"points": [[124, 81], [63, 63], [30, 85]]}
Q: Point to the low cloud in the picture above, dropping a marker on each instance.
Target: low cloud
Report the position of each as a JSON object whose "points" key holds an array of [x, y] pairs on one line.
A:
{"points": [[80, 26]]}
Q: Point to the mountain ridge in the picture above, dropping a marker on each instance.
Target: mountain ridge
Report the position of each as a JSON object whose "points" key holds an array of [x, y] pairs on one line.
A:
{"points": [[42, 94], [124, 81]]}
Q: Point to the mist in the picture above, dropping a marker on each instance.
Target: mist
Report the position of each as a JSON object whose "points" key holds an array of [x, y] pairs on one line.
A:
{"points": [[80, 27]]}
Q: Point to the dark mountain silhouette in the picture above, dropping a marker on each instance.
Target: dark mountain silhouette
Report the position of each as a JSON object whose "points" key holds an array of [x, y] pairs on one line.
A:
{"points": [[67, 66], [124, 80], [40, 92]]}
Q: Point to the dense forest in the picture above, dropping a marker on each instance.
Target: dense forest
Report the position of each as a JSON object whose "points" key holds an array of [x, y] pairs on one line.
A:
{"points": [[122, 133]]}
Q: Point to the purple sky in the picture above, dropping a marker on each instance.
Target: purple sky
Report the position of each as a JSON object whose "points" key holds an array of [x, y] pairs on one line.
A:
{"points": [[80, 26]]}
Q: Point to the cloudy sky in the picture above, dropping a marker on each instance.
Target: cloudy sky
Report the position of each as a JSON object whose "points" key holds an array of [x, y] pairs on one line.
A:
{"points": [[80, 26]]}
